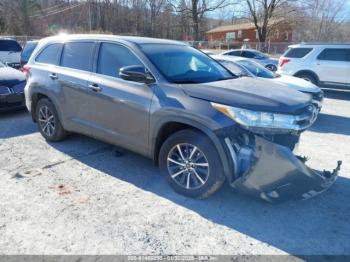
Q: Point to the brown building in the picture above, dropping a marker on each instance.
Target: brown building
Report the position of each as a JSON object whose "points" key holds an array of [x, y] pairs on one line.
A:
{"points": [[240, 32]]}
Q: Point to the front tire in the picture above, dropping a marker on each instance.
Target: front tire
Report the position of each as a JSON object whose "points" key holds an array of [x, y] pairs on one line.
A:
{"points": [[191, 164], [308, 77], [272, 68], [48, 122]]}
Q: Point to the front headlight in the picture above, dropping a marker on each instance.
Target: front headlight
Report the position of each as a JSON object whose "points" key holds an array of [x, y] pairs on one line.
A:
{"points": [[253, 119]]}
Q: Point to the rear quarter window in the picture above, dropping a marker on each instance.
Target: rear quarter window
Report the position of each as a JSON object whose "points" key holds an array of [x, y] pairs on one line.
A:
{"points": [[10, 46], [297, 52], [49, 55]]}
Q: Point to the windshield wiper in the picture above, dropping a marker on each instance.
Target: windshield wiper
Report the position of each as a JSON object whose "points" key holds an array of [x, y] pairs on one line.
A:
{"points": [[185, 82]]}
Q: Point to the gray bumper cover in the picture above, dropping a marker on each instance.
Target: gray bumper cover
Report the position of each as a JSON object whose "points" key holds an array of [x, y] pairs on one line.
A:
{"points": [[277, 175]]}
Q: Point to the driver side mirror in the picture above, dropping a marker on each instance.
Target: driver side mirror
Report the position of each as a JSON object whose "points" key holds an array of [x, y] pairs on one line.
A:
{"points": [[136, 73]]}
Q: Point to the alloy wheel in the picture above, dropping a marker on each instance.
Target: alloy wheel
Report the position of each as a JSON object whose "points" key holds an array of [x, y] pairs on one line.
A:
{"points": [[47, 121], [188, 166]]}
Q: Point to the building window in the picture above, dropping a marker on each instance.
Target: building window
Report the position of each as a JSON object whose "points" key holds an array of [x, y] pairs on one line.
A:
{"points": [[277, 34], [230, 36], [239, 35], [286, 36], [256, 34]]}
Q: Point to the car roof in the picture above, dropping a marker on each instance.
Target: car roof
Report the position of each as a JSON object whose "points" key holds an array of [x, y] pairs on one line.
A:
{"points": [[320, 45], [131, 39], [229, 58]]}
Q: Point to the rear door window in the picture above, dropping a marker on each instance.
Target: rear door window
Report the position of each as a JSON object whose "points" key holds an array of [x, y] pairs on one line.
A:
{"points": [[10, 46], [49, 55], [297, 52], [334, 54], [78, 55], [112, 57], [248, 54], [235, 53]]}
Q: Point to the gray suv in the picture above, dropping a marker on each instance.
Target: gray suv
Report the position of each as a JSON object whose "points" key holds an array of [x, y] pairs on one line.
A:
{"points": [[172, 103]]}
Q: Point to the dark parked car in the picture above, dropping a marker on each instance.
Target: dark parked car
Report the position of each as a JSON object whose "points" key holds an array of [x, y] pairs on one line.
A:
{"points": [[12, 82], [27, 51], [174, 104]]}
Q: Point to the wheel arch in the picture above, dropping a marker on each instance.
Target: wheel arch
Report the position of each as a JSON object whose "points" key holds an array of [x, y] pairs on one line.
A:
{"points": [[171, 126], [35, 97], [309, 72]]}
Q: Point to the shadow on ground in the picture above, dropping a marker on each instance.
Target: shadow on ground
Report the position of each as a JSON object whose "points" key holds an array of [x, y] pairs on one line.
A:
{"points": [[337, 94], [18, 123], [315, 226], [331, 124]]}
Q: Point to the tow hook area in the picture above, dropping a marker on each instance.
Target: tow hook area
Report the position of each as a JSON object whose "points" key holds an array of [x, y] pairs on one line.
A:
{"points": [[275, 174]]}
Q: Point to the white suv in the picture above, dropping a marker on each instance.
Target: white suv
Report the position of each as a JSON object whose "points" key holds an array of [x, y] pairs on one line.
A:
{"points": [[322, 64]]}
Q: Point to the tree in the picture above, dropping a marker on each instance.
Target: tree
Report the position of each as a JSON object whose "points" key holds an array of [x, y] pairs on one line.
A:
{"points": [[266, 13], [196, 11], [323, 20]]}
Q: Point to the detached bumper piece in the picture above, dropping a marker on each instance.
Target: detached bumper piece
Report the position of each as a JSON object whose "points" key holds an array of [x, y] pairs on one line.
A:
{"points": [[275, 174]]}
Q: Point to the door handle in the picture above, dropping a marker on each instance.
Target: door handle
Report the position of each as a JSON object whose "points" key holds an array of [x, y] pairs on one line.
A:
{"points": [[53, 76], [95, 87]]}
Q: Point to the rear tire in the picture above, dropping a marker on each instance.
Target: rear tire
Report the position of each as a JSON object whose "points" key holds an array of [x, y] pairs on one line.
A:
{"points": [[272, 68], [308, 77], [48, 122], [194, 172]]}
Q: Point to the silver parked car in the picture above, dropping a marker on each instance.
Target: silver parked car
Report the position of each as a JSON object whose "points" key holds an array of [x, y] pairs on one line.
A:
{"points": [[257, 56], [170, 102], [246, 67]]}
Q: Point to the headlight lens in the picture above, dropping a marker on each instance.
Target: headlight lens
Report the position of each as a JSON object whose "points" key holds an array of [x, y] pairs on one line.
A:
{"points": [[249, 118]]}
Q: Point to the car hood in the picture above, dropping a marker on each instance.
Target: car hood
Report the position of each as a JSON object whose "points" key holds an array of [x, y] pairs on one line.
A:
{"points": [[297, 84], [10, 77], [249, 93]]}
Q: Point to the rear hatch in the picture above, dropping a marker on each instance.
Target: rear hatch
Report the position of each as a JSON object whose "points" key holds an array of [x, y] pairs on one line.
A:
{"points": [[293, 55]]}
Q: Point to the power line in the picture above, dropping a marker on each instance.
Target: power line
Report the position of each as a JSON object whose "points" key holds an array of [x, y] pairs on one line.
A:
{"points": [[54, 12]]}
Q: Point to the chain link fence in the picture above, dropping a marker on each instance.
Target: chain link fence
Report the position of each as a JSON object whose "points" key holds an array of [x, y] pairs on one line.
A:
{"points": [[22, 40], [274, 48]]}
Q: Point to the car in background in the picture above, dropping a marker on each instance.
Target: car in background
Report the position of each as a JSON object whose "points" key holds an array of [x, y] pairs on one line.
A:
{"points": [[207, 52], [261, 58], [245, 67], [27, 51], [325, 65], [10, 52], [12, 83]]}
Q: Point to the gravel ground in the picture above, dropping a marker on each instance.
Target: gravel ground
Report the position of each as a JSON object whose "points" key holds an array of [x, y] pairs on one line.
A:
{"points": [[81, 196]]}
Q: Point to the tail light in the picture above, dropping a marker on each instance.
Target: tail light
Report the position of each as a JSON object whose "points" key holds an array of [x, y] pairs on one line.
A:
{"points": [[283, 61], [25, 69]]}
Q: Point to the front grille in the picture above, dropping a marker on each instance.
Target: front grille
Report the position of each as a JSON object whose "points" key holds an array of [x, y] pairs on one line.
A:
{"points": [[4, 90], [18, 89]]}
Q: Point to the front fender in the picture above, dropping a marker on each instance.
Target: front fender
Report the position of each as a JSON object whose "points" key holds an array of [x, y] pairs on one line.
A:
{"points": [[206, 126]]}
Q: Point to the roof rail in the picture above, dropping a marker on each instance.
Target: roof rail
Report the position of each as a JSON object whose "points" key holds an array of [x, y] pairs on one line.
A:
{"points": [[320, 43]]}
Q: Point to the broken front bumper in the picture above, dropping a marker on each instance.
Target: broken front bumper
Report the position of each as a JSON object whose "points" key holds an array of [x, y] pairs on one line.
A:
{"points": [[272, 172]]}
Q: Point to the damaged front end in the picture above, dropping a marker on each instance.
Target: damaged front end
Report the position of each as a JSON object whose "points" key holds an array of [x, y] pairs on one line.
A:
{"points": [[272, 172], [265, 165]]}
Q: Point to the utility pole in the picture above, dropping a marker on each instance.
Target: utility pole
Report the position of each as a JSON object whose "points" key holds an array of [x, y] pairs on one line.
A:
{"points": [[89, 14]]}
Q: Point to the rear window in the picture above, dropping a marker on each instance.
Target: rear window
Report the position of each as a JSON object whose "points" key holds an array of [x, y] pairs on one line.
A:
{"points": [[297, 52], [28, 50], [49, 54], [10, 46], [334, 54], [77, 55]]}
